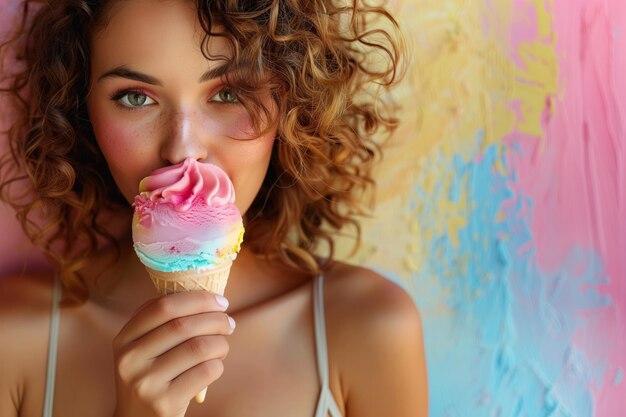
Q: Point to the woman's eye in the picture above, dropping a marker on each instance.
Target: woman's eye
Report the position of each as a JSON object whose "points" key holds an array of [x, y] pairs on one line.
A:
{"points": [[134, 99], [225, 96]]}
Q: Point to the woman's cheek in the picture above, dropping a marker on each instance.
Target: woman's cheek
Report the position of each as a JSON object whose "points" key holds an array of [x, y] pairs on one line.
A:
{"points": [[125, 151], [247, 165], [234, 123]]}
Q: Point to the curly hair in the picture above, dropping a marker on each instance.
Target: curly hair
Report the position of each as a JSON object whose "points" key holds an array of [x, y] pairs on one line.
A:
{"points": [[327, 63]]}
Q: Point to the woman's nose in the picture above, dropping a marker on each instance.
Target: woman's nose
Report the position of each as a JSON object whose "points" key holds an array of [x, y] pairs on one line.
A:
{"points": [[183, 138]]}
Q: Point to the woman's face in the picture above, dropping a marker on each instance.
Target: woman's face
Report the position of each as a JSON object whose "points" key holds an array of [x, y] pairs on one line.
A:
{"points": [[154, 100]]}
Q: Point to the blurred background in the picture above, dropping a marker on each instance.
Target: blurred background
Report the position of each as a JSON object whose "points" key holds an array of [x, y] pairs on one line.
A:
{"points": [[501, 204]]}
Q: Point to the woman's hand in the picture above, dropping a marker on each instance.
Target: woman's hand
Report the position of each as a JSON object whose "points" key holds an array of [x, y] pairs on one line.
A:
{"points": [[171, 349]]}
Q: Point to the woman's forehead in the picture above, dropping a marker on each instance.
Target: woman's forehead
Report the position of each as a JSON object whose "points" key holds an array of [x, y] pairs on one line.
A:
{"points": [[154, 34], [131, 17]]}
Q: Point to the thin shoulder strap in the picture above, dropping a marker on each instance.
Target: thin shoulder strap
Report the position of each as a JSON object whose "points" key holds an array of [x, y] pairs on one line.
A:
{"points": [[53, 342], [326, 403], [320, 330]]}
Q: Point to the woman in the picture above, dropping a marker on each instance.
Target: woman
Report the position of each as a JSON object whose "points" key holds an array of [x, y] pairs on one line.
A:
{"points": [[274, 93]]}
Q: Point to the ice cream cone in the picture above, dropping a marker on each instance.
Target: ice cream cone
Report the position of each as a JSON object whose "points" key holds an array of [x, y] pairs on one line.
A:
{"points": [[210, 279]]}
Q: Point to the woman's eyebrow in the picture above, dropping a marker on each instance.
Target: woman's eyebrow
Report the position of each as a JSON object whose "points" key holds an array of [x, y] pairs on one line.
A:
{"points": [[216, 72], [124, 72]]}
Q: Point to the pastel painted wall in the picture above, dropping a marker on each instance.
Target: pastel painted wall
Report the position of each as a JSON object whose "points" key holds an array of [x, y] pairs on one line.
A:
{"points": [[511, 178], [509, 174]]}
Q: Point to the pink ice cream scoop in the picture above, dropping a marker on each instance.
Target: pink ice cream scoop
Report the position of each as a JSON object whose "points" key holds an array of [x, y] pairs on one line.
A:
{"points": [[185, 218]]}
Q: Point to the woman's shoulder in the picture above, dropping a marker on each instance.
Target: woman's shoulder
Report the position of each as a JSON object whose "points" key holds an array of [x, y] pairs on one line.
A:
{"points": [[366, 309], [375, 342], [25, 305], [34, 289], [368, 300]]}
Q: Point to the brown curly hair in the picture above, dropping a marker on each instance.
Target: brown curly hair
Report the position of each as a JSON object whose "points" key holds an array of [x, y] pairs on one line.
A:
{"points": [[327, 64]]}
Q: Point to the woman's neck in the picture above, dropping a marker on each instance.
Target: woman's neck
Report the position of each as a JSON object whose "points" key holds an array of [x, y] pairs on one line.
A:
{"points": [[117, 279]]}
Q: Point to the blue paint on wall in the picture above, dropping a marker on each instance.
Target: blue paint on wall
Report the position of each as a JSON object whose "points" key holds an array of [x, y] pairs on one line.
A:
{"points": [[498, 330]]}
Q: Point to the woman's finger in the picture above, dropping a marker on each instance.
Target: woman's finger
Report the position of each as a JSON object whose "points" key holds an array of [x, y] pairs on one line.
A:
{"points": [[175, 362], [196, 379], [178, 330], [163, 309]]}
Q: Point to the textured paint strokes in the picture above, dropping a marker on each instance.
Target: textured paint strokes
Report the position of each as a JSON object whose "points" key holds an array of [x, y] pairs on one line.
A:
{"points": [[531, 47], [576, 176], [498, 329], [473, 272], [501, 328]]}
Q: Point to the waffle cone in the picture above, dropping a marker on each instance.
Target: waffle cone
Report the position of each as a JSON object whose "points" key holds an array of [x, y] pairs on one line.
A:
{"points": [[212, 279]]}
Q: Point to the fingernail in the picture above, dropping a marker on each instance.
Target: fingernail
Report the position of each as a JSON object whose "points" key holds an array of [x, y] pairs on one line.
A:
{"points": [[231, 322], [221, 300]]}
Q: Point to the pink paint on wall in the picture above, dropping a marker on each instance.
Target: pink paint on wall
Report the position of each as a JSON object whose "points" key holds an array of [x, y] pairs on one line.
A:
{"points": [[576, 174], [523, 28]]}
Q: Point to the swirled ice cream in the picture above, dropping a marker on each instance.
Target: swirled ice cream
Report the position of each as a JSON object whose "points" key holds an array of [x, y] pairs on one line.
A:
{"points": [[185, 218]]}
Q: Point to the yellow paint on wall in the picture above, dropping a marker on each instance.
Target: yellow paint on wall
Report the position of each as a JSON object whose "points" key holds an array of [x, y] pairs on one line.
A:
{"points": [[456, 101], [537, 79]]}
